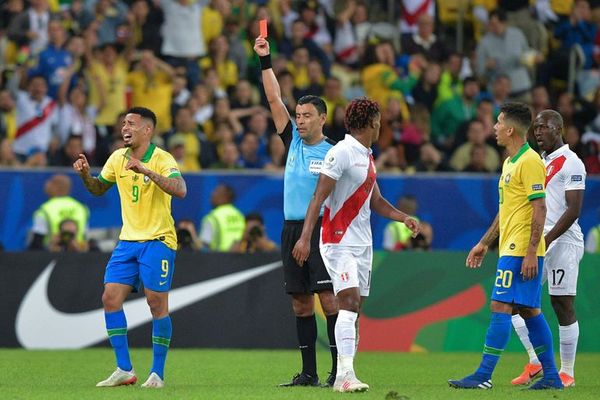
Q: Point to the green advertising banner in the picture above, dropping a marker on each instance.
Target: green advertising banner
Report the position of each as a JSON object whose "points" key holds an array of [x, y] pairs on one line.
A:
{"points": [[431, 302]]}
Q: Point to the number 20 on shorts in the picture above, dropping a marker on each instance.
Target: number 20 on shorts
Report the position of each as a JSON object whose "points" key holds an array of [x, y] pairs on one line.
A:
{"points": [[504, 278]]}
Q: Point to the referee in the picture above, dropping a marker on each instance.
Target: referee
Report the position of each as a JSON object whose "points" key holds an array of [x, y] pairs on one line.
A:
{"points": [[305, 147]]}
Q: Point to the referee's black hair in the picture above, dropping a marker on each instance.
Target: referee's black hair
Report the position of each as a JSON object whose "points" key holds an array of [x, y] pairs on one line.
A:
{"points": [[315, 101], [145, 113], [519, 113]]}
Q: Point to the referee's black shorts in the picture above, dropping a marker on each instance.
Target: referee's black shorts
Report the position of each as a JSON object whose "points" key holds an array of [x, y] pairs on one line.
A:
{"points": [[312, 277]]}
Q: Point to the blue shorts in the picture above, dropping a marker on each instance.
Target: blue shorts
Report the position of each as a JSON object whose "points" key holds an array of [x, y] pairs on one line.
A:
{"points": [[151, 263], [509, 286]]}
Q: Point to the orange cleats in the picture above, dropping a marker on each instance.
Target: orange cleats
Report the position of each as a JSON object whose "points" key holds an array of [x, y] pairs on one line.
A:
{"points": [[529, 373], [567, 380]]}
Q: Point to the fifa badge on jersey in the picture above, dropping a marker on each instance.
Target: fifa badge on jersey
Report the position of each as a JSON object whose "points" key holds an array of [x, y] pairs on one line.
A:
{"points": [[576, 178], [146, 179], [507, 178], [315, 166], [537, 186]]}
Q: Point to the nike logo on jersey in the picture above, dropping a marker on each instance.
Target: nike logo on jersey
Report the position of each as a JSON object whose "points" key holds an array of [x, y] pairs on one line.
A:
{"points": [[41, 326], [501, 292]]}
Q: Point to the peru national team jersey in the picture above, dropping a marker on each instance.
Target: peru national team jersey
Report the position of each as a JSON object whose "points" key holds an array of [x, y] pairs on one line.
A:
{"points": [[347, 215], [145, 207], [302, 168], [564, 172], [522, 181]]}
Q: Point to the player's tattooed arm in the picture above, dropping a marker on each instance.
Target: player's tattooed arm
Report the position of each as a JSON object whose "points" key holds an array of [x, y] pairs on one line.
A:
{"points": [[537, 224], [174, 186], [492, 232], [94, 185]]}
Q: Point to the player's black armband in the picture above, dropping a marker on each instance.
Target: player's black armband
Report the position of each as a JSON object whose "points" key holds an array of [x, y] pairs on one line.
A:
{"points": [[265, 62]]}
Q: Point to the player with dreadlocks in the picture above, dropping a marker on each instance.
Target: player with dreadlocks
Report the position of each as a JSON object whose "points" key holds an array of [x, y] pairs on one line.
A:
{"points": [[349, 190]]}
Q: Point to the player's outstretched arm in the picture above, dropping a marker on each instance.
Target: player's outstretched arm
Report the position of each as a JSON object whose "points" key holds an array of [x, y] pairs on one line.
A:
{"points": [[529, 268], [302, 247], [477, 253], [280, 114], [175, 186], [92, 184], [383, 207]]}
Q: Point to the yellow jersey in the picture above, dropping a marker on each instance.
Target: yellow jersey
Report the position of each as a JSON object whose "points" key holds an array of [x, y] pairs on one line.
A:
{"points": [[523, 179], [145, 207], [115, 86]]}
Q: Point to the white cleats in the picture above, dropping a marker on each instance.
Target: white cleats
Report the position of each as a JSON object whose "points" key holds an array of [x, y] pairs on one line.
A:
{"points": [[153, 381], [119, 378], [349, 383]]}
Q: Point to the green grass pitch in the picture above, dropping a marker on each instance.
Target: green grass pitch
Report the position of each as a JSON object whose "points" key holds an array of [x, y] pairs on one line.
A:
{"points": [[254, 374]]}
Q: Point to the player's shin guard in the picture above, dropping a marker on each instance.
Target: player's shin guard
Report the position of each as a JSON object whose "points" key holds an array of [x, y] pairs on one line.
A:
{"points": [[569, 336], [496, 339], [162, 330], [541, 339], [116, 326], [331, 320], [521, 329], [306, 328]]}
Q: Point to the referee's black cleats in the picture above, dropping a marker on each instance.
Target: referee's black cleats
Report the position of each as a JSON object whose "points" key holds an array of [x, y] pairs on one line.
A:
{"points": [[330, 381], [302, 379]]}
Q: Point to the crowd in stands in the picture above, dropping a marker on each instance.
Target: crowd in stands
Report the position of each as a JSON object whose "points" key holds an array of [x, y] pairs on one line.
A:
{"points": [[70, 68]]}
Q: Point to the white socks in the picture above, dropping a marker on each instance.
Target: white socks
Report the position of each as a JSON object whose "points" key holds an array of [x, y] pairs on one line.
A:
{"points": [[345, 339], [521, 329], [569, 335]]}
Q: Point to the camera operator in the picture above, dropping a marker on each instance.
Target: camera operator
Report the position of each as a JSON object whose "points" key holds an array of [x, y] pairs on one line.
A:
{"points": [[66, 238], [255, 238], [187, 238]]}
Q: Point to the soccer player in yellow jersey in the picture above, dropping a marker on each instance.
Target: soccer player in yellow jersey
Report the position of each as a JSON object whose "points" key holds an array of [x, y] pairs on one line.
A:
{"points": [[146, 178], [520, 224]]}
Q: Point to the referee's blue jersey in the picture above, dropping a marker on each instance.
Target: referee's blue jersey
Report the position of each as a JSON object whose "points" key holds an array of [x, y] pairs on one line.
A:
{"points": [[302, 169]]}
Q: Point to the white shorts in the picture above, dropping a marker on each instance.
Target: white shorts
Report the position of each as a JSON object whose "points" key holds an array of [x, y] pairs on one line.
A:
{"points": [[348, 267], [561, 267]]}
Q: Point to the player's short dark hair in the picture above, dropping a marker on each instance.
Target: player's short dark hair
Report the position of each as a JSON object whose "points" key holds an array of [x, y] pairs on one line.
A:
{"points": [[519, 114], [554, 117], [315, 101], [145, 113], [360, 113]]}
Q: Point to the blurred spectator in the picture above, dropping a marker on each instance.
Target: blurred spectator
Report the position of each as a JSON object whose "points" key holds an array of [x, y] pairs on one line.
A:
{"points": [[218, 59], [59, 207], [450, 84], [288, 92], [37, 121], [69, 153], [592, 240], [66, 239], [255, 238], [225, 224], [519, 15], [314, 17], [109, 14], [431, 159], [425, 91], [299, 38], [390, 160], [250, 152], [237, 51], [144, 18], [447, 116], [29, 28], [183, 42], [337, 130], [424, 41], [501, 51], [345, 43], [198, 151], [213, 19], [333, 96], [187, 238], [580, 30], [229, 157], [152, 87], [477, 159], [463, 155], [54, 59], [540, 99], [411, 11], [8, 115], [500, 92], [7, 156]]}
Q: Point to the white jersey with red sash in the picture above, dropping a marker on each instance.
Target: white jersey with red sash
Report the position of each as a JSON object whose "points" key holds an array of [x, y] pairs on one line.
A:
{"points": [[347, 215], [34, 124]]}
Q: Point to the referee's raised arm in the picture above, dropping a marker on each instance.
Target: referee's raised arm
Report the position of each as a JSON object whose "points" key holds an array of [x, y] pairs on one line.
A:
{"points": [[280, 114]]}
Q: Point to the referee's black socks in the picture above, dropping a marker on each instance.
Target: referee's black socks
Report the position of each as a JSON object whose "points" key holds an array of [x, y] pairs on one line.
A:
{"points": [[306, 328], [331, 320]]}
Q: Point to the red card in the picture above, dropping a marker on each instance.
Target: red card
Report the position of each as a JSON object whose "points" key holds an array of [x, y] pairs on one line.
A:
{"points": [[263, 28]]}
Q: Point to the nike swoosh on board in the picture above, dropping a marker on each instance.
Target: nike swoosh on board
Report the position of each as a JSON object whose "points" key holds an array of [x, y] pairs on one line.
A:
{"points": [[41, 326]]}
